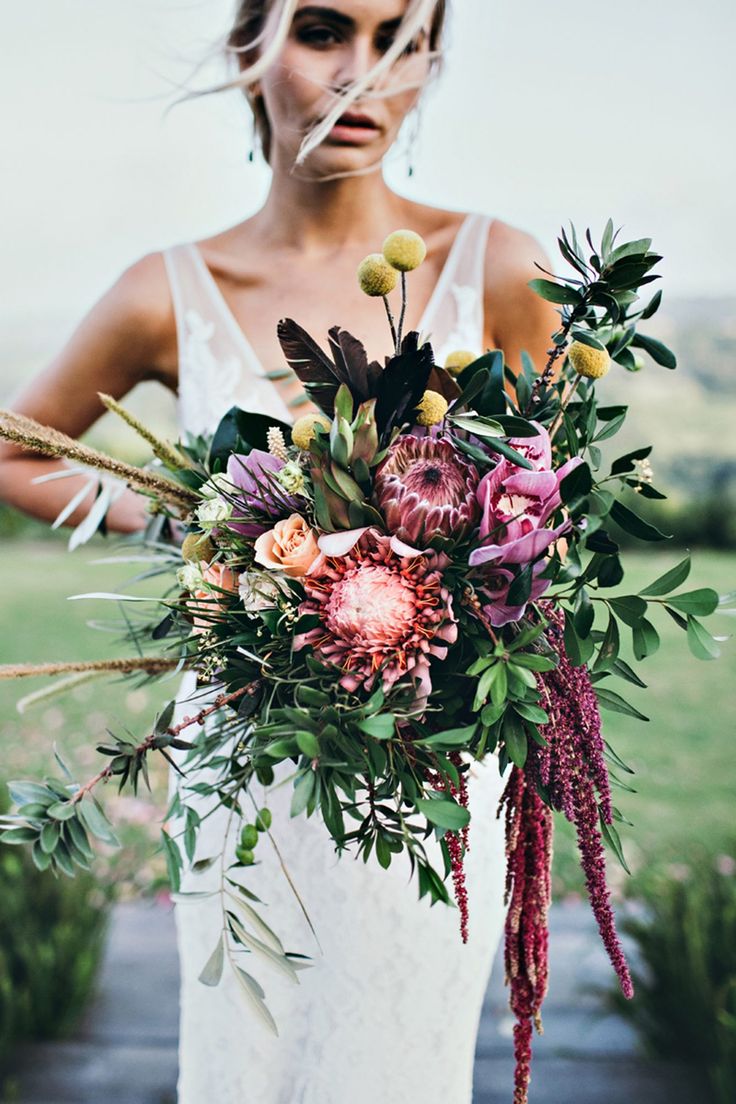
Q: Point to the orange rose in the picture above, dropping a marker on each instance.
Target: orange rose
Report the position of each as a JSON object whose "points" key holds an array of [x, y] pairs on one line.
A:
{"points": [[290, 547], [207, 600]]}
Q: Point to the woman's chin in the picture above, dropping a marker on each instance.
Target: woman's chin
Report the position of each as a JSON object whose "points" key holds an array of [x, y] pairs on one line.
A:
{"points": [[333, 157]]}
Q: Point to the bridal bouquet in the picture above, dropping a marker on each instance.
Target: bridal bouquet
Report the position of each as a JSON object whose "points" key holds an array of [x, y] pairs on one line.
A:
{"points": [[413, 576]]}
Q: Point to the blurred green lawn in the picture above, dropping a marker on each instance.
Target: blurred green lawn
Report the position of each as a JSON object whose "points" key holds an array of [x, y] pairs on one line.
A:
{"points": [[683, 758], [41, 624]]}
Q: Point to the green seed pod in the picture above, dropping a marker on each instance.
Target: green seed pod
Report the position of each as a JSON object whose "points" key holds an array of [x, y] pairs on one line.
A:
{"points": [[248, 836], [264, 774], [245, 856], [264, 819]]}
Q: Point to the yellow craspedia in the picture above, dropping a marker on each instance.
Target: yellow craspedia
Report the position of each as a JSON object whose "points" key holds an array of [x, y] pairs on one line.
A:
{"points": [[458, 360], [431, 408], [302, 432], [375, 275], [404, 250], [587, 361], [196, 547]]}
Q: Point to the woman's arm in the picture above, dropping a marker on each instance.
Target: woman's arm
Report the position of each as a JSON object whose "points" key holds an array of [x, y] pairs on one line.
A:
{"points": [[516, 317], [125, 338]]}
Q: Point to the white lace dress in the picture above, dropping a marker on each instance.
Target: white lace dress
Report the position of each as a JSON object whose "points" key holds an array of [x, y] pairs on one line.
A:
{"points": [[389, 1010]]}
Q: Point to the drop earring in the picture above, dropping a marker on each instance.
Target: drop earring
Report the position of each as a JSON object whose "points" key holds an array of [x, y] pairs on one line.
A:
{"points": [[252, 97], [411, 145]]}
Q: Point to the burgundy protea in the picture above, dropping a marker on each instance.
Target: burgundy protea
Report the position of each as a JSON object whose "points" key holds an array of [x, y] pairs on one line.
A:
{"points": [[425, 488], [383, 611]]}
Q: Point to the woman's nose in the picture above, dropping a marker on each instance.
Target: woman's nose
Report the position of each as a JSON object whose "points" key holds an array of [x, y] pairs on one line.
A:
{"points": [[358, 57]]}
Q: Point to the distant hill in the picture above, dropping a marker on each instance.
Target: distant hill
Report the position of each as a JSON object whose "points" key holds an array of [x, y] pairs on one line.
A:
{"points": [[689, 414]]}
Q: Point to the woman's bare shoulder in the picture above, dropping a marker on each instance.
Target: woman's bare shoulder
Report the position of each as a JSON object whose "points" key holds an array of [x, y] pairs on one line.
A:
{"points": [[139, 303], [515, 316]]}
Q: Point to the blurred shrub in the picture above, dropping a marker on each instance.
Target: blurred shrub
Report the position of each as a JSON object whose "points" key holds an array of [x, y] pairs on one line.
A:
{"points": [[685, 992], [15, 524], [52, 934]]}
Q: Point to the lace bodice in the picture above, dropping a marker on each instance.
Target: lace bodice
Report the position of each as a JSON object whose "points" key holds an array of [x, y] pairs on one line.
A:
{"points": [[218, 366]]}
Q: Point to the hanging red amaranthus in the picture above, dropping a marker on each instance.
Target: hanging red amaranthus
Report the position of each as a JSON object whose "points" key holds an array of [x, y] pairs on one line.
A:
{"points": [[571, 768], [571, 772], [527, 896], [457, 842]]}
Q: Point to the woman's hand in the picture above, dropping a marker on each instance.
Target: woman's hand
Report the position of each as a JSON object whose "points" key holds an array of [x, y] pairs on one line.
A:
{"points": [[129, 513]]}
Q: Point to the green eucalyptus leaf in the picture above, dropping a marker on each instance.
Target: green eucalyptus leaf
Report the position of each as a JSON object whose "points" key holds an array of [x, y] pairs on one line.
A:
{"points": [[629, 608], [380, 727], [515, 739], [634, 524], [308, 743], [96, 822], [609, 647], [303, 790], [18, 835], [452, 737], [444, 812], [609, 699], [212, 970], [555, 293], [656, 349], [645, 639], [670, 580], [700, 641], [699, 602], [612, 837]]}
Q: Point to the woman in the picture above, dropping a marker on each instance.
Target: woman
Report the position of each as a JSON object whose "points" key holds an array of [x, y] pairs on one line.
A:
{"points": [[389, 1008]]}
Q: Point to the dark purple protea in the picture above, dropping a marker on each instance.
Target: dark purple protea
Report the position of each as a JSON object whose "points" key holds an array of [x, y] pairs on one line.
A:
{"points": [[425, 488]]}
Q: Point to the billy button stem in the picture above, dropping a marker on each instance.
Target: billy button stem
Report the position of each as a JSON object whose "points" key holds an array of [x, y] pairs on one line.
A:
{"points": [[378, 273]]}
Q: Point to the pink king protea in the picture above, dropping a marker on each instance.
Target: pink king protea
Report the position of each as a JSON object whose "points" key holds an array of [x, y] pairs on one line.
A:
{"points": [[425, 488], [383, 611]]}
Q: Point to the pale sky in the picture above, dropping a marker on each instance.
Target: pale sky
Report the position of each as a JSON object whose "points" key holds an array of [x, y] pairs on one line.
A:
{"points": [[546, 112]]}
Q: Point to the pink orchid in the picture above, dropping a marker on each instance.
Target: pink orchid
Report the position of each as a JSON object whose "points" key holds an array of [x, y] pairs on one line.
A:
{"points": [[516, 504]]}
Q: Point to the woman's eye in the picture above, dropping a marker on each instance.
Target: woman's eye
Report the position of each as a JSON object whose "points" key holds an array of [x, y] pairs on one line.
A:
{"points": [[318, 35], [410, 48]]}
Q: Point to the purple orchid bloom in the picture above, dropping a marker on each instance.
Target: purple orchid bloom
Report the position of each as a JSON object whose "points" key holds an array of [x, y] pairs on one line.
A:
{"points": [[257, 491], [516, 504], [496, 584]]}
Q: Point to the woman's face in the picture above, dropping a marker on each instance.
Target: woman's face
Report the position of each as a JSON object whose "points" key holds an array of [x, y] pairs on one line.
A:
{"points": [[330, 44]]}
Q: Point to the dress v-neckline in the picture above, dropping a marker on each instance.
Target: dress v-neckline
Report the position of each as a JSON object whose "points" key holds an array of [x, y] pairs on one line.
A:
{"points": [[241, 337]]}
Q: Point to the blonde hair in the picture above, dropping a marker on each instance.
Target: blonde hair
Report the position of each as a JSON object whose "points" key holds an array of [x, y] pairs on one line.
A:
{"points": [[249, 32]]}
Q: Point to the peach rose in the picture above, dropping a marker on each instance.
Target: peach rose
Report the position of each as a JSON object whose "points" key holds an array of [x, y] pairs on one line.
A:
{"points": [[290, 547], [207, 600]]}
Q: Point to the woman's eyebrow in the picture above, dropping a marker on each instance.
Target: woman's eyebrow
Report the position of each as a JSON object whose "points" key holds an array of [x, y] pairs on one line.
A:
{"points": [[339, 17]]}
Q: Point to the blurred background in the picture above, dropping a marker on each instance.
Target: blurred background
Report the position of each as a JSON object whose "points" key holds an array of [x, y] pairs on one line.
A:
{"points": [[545, 114]]}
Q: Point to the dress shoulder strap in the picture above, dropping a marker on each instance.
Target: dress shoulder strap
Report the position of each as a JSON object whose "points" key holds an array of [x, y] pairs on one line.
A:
{"points": [[456, 320], [217, 367], [209, 368]]}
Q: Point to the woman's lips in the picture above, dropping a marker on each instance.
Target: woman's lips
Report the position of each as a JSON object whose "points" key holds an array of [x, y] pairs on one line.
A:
{"points": [[354, 129]]}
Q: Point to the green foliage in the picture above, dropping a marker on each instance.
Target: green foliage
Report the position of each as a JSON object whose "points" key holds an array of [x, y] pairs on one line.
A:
{"points": [[52, 935], [685, 1005]]}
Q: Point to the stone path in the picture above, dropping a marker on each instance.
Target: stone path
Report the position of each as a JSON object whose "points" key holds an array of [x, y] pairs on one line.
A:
{"points": [[125, 1052]]}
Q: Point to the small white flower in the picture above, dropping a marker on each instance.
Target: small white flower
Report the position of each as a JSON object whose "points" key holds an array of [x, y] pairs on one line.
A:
{"points": [[217, 485], [291, 477], [258, 591], [213, 511], [189, 577]]}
